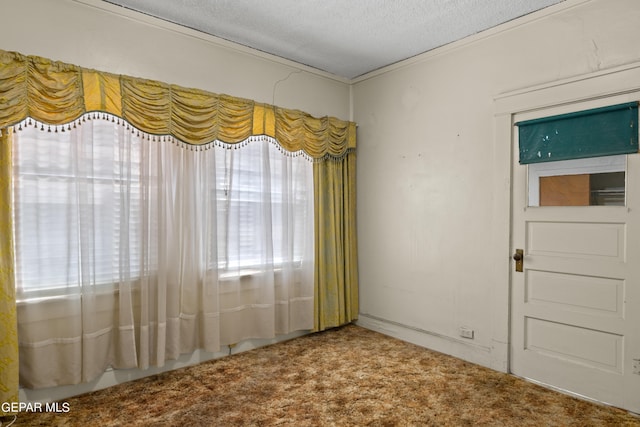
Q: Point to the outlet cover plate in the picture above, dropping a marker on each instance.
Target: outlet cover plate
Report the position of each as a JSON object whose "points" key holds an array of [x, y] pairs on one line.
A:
{"points": [[466, 333]]}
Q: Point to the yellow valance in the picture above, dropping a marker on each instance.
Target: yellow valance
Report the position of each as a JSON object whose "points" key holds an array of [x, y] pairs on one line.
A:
{"points": [[57, 93]]}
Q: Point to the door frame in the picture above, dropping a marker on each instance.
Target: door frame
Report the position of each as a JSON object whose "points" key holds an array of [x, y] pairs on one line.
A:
{"points": [[614, 85]]}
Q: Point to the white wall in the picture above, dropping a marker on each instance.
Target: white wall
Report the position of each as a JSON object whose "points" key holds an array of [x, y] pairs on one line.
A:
{"points": [[434, 182], [95, 34]]}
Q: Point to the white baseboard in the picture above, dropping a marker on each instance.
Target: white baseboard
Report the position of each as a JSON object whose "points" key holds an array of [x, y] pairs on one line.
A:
{"points": [[460, 348], [113, 377]]}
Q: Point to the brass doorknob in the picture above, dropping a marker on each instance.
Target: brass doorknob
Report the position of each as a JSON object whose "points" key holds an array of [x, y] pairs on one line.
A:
{"points": [[519, 259]]}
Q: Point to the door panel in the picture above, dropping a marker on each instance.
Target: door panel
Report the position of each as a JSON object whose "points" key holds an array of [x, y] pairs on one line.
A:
{"points": [[588, 295], [574, 344], [593, 241]]}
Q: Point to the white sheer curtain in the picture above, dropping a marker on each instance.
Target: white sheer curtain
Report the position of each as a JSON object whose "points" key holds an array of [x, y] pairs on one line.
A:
{"points": [[131, 250]]}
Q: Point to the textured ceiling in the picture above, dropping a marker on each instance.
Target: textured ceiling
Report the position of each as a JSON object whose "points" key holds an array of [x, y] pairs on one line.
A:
{"points": [[347, 38]]}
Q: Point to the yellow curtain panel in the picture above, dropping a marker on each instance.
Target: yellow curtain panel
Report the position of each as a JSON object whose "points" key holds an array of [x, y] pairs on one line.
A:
{"points": [[57, 93], [336, 274], [8, 316]]}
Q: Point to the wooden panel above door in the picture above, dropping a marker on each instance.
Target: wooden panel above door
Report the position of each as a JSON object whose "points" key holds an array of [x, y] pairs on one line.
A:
{"points": [[565, 190]]}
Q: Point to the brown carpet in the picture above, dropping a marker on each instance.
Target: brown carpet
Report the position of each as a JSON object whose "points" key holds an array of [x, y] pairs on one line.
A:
{"points": [[348, 376]]}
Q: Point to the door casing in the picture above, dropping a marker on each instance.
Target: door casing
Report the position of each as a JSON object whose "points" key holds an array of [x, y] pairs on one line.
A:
{"points": [[607, 87]]}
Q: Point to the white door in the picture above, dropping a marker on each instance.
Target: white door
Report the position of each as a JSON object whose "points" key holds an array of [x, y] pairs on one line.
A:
{"points": [[575, 307]]}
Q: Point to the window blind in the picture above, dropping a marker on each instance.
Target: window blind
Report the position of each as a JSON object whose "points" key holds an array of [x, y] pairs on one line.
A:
{"points": [[596, 132]]}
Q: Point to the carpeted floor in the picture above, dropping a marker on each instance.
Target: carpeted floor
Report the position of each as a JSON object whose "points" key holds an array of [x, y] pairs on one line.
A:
{"points": [[348, 376]]}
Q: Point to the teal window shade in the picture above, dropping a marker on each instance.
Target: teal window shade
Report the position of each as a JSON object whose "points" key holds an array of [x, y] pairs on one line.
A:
{"points": [[598, 132]]}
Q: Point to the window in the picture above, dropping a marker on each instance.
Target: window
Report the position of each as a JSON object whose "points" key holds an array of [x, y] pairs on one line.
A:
{"points": [[579, 158], [69, 199], [251, 178], [95, 205], [596, 181]]}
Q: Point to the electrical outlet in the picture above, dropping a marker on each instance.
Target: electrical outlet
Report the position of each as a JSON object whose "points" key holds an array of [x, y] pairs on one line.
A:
{"points": [[636, 366], [466, 333]]}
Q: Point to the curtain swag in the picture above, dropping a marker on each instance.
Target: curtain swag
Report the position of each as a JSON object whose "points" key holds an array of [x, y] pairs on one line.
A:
{"points": [[57, 93]]}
